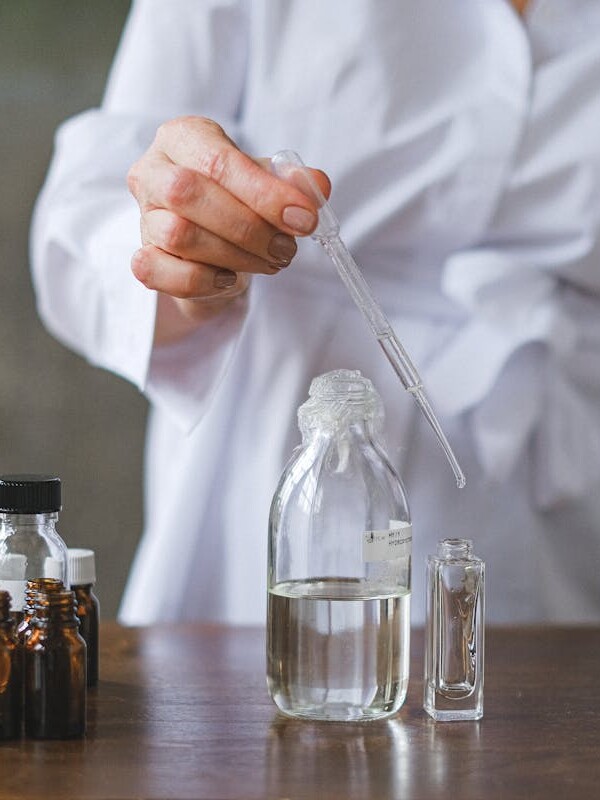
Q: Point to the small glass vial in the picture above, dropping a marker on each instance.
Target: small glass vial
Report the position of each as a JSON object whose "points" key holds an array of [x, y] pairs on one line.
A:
{"points": [[55, 670], [454, 633], [82, 572], [339, 563], [30, 546], [34, 587], [11, 686]]}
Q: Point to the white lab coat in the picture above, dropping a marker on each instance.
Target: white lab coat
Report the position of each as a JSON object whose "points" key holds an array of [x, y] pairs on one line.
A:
{"points": [[464, 151]]}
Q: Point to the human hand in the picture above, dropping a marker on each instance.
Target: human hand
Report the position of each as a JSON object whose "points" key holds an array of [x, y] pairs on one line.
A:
{"points": [[211, 216]]}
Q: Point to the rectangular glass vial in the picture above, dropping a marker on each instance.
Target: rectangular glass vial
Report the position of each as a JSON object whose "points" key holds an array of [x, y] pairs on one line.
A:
{"points": [[454, 633]]}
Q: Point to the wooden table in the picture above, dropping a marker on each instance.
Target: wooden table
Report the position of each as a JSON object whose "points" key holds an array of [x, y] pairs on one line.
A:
{"points": [[182, 712]]}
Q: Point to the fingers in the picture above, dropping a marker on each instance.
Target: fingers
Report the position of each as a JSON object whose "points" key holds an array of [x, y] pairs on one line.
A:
{"points": [[159, 184], [211, 215], [201, 145], [180, 278], [182, 238]]}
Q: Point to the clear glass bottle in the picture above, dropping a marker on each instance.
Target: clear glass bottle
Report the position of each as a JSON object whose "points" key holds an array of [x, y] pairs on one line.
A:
{"points": [[30, 546], [454, 632], [339, 566], [55, 670], [82, 571], [11, 686]]}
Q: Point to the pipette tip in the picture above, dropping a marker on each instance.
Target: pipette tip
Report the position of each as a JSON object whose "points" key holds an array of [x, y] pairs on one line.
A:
{"points": [[423, 403]]}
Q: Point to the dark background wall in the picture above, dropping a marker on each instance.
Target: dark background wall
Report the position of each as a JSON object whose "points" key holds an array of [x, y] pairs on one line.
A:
{"points": [[57, 413]]}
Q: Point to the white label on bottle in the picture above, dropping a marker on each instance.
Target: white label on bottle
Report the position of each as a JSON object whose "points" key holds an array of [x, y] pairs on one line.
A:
{"points": [[52, 568], [17, 593], [387, 545]]}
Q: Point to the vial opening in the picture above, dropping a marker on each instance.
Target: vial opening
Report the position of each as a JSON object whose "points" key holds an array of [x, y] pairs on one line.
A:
{"points": [[455, 548]]}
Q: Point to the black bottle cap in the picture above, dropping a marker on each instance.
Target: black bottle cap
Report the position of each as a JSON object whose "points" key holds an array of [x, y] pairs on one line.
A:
{"points": [[29, 494]]}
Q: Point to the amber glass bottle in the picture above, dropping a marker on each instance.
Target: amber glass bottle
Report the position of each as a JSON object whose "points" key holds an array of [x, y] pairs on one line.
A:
{"points": [[35, 586], [55, 670], [11, 691], [82, 574]]}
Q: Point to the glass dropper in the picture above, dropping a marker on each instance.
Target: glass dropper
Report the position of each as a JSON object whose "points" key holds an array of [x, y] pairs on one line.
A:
{"points": [[288, 166]]}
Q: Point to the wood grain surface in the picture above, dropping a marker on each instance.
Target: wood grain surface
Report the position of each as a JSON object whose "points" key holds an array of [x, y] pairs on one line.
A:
{"points": [[183, 712]]}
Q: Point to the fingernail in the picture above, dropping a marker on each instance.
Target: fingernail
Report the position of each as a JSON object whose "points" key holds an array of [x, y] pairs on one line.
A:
{"points": [[283, 248], [224, 278], [299, 219]]}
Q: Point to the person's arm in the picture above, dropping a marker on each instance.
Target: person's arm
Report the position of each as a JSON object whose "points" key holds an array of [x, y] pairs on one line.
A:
{"points": [[185, 57]]}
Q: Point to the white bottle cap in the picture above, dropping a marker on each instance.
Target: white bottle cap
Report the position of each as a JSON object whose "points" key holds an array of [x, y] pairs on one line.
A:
{"points": [[82, 566]]}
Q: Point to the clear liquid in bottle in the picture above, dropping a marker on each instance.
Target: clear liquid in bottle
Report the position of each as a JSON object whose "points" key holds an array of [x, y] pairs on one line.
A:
{"points": [[338, 649]]}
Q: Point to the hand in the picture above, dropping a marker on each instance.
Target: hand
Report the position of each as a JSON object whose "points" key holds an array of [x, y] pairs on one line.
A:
{"points": [[210, 217]]}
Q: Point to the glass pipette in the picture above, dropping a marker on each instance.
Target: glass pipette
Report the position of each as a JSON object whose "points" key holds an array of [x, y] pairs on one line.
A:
{"points": [[288, 166]]}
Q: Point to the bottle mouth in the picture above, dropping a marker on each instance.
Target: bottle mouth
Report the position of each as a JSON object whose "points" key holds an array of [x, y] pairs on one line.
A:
{"points": [[455, 548], [342, 384], [338, 398]]}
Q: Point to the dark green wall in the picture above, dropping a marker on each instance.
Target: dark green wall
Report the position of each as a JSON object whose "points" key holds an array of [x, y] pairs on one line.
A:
{"points": [[57, 413]]}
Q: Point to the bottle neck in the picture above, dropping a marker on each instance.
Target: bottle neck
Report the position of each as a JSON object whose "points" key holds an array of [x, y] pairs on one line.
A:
{"points": [[37, 586], [338, 429], [56, 608], [11, 520], [340, 402], [455, 548]]}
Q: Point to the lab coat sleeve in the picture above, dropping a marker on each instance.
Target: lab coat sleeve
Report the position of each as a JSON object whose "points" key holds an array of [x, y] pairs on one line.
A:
{"points": [[525, 366], [180, 57]]}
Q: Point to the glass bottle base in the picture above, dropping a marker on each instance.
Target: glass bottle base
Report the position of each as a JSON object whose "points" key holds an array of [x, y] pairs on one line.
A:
{"points": [[454, 716], [341, 712], [452, 709]]}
